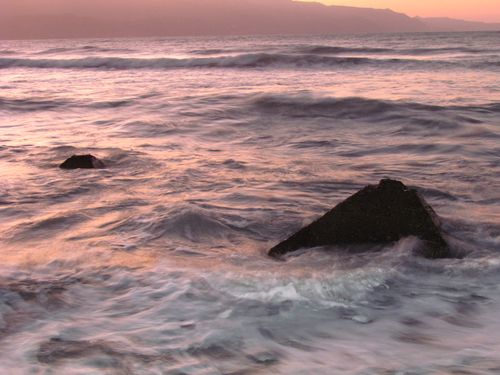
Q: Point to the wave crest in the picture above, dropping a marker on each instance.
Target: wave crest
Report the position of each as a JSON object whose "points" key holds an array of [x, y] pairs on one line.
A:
{"points": [[257, 60]]}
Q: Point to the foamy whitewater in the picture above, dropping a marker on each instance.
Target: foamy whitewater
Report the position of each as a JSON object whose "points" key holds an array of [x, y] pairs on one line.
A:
{"points": [[217, 149]]}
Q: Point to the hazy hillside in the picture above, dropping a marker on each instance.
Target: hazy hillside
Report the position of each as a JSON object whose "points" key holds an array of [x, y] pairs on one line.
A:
{"points": [[450, 24], [94, 18]]}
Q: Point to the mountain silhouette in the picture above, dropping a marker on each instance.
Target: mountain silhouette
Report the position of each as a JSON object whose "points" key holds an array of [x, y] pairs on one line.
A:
{"points": [[23, 19]]}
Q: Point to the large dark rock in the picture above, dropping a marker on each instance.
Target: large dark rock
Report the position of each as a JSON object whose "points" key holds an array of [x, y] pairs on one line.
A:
{"points": [[82, 161], [380, 213]]}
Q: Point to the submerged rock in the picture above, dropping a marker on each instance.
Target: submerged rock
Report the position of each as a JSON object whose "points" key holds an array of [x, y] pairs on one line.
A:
{"points": [[380, 213], [82, 161]]}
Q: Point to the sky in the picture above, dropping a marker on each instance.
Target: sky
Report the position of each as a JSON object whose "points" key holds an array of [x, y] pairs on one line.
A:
{"points": [[24, 19], [480, 10]]}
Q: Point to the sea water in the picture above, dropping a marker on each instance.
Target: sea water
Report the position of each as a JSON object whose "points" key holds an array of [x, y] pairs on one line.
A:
{"points": [[216, 149]]}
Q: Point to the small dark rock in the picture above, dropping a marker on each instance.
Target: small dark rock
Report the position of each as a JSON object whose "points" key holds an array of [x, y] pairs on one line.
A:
{"points": [[380, 213], [82, 161]]}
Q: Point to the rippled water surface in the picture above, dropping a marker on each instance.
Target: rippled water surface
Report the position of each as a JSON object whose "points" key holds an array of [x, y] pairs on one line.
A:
{"points": [[215, 151]]}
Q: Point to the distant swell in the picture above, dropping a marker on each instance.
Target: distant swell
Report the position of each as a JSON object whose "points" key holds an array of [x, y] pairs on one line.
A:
{"points": [[337, 50], [373, 109], [40, 104], [332, 50], [30, 105], [300, 105], [87, 49], [5, 52], [260, 60]]}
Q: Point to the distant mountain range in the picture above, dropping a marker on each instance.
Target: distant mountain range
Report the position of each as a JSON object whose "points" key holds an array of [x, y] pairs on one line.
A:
{"points": [[92, 18]]}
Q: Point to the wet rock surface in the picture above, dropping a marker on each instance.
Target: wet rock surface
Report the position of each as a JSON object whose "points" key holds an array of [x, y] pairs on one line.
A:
{"points": [[382, 213], [82, 161]]}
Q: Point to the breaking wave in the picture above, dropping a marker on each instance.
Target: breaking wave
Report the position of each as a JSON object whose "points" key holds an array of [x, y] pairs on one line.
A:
{"points": [[259, 60]]}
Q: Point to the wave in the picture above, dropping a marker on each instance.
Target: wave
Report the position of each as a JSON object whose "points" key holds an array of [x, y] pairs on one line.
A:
{"points": [[299, 106], [320, 50], [215, 51], [88, 49], [31, 104], [39, 104], [184, 223], [333, 50], [295, 106], [7, 52], [259, 60], [308, 102]]}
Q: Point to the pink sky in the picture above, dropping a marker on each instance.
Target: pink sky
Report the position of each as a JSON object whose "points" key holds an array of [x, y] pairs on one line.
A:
{"points": [[24, 19], [481, 10], [484, 10]]}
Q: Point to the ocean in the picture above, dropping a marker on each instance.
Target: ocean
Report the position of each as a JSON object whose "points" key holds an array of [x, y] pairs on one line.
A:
{"points": [[217, 149]]}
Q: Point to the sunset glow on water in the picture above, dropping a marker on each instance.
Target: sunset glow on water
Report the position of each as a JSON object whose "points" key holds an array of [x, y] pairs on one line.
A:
{"points": [[217, 149]]}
